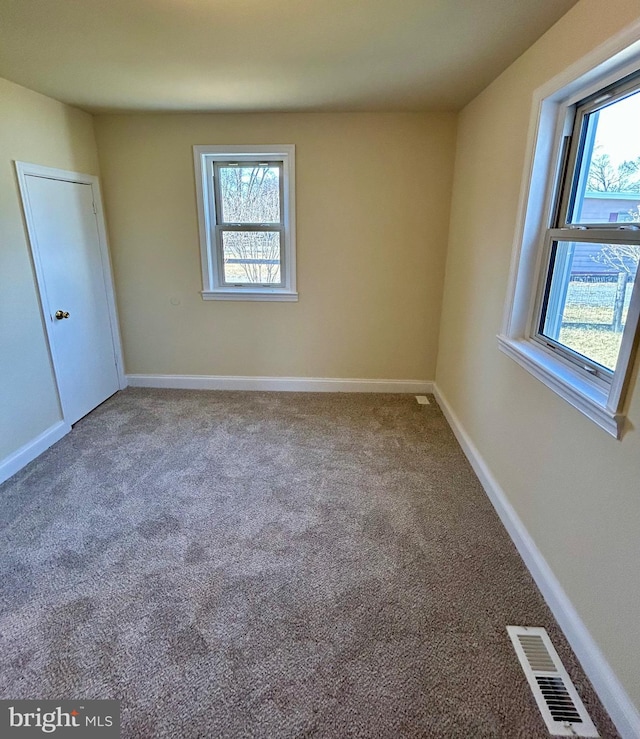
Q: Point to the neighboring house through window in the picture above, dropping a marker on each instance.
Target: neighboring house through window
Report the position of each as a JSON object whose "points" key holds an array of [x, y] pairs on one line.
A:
{"points": [[246, 210]]}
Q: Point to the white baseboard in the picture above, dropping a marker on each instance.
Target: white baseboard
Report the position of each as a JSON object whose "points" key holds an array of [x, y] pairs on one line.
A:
{"points": [[614, 698], [290, 384], [27, 453]]}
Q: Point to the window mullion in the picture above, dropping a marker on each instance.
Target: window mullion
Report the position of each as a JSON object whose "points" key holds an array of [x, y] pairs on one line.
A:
{"points": [[596, 234], [251, 226]]}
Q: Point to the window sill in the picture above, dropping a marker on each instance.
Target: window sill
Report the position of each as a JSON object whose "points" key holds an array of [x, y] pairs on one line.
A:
{"points": [[583, 394], [272, 295]]}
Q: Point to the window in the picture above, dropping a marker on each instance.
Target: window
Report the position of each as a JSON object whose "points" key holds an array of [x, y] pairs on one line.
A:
{"points": [[593, 261], [246, 214], [572, 313]]}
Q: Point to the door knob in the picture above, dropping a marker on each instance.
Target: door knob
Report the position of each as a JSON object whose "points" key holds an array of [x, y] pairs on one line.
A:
{"points": [[60, 314]]}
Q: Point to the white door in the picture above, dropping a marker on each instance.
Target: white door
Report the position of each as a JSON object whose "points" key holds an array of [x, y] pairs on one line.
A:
{"points": [[73, 288]]}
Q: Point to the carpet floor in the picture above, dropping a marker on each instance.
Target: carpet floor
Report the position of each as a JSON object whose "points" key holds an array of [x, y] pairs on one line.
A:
{"points": [[232, 564]]}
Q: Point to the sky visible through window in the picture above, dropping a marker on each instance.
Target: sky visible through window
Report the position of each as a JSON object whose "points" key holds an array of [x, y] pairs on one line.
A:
{"points": [[619, 130]]}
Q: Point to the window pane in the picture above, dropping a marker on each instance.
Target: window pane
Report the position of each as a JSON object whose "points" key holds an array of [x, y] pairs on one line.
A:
{"points": [[251, 257], [607, 183], [588, 296], [250, 194]]}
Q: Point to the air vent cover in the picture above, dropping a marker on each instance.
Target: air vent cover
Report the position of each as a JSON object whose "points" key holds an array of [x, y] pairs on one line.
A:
{"points": [[557, 699]]}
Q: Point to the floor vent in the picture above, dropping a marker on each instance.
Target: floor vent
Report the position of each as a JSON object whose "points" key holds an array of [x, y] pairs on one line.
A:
{"points": [[422, 400], [557, 699]]}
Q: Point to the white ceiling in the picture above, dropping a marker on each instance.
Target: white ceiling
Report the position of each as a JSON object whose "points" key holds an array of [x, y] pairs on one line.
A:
{"points": [[253, 55]]}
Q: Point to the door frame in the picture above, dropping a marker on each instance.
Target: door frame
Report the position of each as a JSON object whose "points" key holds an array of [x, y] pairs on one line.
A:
{"points": [[24, 170]]}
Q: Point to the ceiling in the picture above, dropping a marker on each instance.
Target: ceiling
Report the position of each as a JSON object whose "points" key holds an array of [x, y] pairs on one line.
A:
{"points": [[274, 55]]}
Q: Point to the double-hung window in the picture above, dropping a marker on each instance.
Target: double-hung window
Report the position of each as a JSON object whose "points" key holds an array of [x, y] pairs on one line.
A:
{"points": [[246, 212], [592, 251], [573, 316]]}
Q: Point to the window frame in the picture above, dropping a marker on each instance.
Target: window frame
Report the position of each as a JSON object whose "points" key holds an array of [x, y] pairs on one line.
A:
{"points": [[214, 286], [558, 109]]}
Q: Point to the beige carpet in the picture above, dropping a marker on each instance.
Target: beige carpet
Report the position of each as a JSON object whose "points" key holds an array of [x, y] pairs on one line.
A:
{"points": [[268, 565]]}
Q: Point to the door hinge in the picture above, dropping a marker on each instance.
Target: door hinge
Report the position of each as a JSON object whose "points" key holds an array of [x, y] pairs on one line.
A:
{"points": [[95, 210]]}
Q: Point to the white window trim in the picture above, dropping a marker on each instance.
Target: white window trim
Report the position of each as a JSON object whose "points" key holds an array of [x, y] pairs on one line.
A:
{"points": [[203, 156], [601, 402]]}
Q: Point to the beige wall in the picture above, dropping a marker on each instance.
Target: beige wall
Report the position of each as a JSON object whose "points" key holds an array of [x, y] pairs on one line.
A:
{"points": [[576, 489], [373, 194], [36, 129]]}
